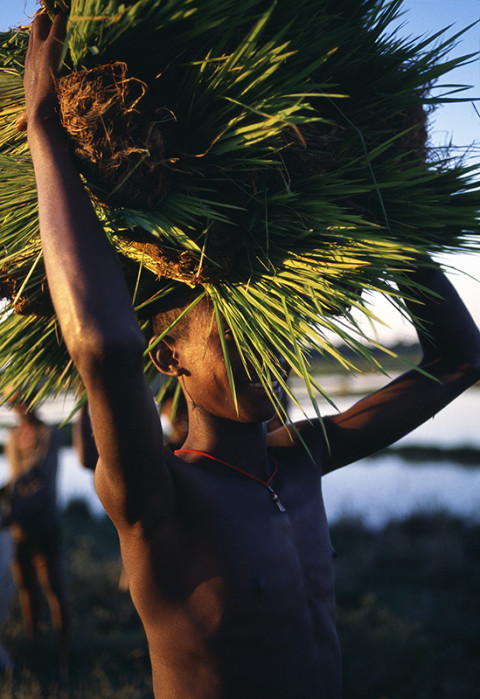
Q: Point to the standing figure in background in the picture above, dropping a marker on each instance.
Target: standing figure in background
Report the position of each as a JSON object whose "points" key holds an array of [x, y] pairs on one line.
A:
{"points": [[6, 589], [34, 521]]}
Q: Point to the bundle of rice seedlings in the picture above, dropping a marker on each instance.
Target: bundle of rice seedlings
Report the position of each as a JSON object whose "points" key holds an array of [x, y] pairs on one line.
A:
{"points": [[273, 155]]}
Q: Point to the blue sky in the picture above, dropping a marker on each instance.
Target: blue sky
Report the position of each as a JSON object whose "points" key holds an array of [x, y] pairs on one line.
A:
{"points": [[458, 123]]}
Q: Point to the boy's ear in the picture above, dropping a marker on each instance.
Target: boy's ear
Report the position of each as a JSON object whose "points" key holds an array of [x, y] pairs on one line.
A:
{"points": [[164, 356]]}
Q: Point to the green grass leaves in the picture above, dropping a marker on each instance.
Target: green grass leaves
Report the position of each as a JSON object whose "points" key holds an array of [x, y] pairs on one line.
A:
{"points": [[297, 170]]}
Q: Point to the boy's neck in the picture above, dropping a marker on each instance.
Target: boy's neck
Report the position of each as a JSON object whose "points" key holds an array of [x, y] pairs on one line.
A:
{"points": [[241, 444]]}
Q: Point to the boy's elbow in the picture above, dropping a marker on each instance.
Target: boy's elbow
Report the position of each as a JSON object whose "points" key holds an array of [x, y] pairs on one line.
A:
{"points": [[474, 368], [463, 366], [469, 372], [469, 359]]}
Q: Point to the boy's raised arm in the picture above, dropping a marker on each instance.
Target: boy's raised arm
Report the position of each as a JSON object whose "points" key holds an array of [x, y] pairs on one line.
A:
{"points": [[90, 297], [450, 343]]}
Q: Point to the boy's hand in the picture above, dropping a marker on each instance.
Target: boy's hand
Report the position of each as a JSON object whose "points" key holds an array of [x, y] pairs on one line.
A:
{"points": [[45, 50]]}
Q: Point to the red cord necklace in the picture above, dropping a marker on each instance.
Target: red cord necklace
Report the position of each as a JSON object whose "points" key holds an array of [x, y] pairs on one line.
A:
{"points": [[266, 484]]}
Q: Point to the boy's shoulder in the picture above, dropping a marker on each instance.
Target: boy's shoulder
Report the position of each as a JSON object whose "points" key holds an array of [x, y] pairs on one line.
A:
{"points": [[305, 440]]}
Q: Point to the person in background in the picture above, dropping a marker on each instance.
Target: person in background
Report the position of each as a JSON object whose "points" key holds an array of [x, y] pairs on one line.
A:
{"points": [[6, 589], [33, 518]]}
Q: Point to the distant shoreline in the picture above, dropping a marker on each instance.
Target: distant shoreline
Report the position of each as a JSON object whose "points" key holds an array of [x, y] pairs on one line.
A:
{"points": [[417, 454], [414, 454]]}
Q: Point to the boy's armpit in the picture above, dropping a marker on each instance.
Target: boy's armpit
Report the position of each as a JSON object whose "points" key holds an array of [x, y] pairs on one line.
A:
{"points": [[138, 502], [112, 493]]}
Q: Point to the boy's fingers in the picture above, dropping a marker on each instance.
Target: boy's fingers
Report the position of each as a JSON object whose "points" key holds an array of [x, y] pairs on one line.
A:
{"points": [[59, 27], [21, 122], [41, 26]]}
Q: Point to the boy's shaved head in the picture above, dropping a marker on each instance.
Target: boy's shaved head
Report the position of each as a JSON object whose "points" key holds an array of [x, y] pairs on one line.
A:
{"points": [[166, 311]]}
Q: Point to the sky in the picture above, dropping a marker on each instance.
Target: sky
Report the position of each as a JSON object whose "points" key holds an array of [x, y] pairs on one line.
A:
{"points": [[458, 123]]}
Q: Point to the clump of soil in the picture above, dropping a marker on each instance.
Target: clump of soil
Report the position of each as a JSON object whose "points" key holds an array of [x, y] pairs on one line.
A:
{"points": [[125, 146], [222, 244], [116, 135], [38, 303]]}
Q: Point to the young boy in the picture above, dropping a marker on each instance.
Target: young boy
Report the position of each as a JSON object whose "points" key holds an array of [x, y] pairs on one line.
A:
{"points": [[233, 582]]}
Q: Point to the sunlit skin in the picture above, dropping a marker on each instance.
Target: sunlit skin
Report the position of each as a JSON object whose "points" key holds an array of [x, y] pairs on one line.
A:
{"points": [[236, 597]]}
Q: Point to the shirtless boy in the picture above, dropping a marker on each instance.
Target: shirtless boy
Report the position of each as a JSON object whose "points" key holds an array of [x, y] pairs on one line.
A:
{"points": [[236, 596]]}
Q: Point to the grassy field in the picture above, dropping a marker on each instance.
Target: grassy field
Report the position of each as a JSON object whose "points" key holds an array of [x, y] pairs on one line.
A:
{"points": [[408, 615], [109, 656], [409, 608]]}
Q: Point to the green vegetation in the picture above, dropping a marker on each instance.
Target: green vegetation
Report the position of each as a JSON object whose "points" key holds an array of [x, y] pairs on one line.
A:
{"points": [[109, 655], [395, 358], [289, 145], [408, 615], [409, 608]]}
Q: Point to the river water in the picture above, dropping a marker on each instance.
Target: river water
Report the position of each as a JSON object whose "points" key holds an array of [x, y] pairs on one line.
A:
{"points": [[374, 490], [377, 490]]}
